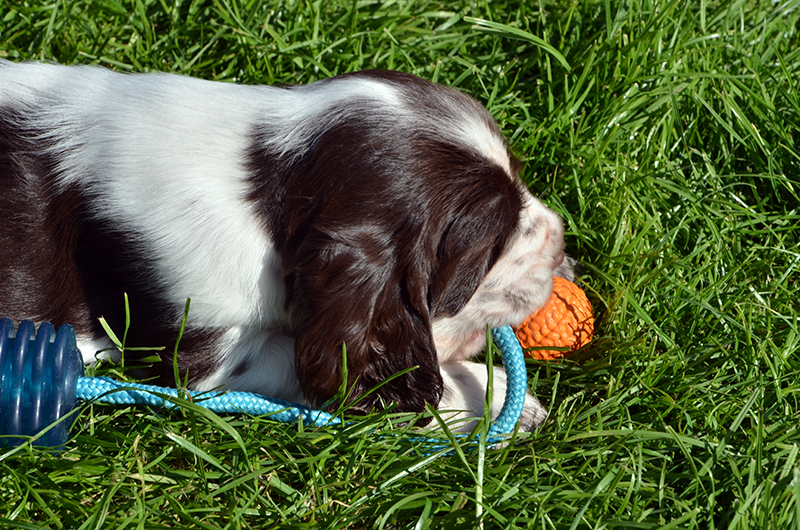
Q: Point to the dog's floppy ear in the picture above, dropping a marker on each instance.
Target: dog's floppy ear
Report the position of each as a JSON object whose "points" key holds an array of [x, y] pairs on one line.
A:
{"points": [[476, 213], [349, 288], [376, 286]]}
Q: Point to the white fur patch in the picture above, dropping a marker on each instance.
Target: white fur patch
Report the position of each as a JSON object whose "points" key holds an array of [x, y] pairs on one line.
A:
{"points": [[262, 353], [96, 349]]}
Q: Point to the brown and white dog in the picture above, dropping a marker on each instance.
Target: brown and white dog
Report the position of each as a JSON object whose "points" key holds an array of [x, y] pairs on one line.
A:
{"points": [[373, 209]]}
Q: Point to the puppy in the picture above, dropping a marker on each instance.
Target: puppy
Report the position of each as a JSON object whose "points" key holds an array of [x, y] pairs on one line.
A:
{"points": [[373, 209]]}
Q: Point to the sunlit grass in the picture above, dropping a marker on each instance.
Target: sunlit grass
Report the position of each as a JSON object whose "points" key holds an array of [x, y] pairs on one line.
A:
{"points": [[667, 138]]}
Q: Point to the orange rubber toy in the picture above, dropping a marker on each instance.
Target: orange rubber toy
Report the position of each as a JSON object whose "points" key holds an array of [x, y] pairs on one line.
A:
{"points": [[565, 321]]}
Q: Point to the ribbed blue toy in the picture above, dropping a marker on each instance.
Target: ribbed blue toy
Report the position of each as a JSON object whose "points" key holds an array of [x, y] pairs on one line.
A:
{"points": [[41, 380]]}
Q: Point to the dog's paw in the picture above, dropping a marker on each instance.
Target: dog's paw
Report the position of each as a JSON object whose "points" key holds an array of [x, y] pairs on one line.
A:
{"points": [[464, 397]]}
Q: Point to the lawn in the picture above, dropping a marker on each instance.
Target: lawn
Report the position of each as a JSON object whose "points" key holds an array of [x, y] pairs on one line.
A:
{"points": [[665, 133]]}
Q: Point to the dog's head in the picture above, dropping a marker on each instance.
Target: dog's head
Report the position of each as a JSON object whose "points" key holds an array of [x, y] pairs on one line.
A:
{"points": [[403, 229]]}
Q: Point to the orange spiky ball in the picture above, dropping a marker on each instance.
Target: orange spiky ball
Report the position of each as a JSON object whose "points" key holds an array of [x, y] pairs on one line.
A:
{"points": [[565, 321]]}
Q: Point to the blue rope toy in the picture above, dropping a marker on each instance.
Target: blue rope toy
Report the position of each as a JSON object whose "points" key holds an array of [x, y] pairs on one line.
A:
{"points": [[41, 380]]}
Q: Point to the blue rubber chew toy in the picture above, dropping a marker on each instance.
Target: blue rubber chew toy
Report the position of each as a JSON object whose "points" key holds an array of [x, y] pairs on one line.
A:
{"points": [[41, 380]]}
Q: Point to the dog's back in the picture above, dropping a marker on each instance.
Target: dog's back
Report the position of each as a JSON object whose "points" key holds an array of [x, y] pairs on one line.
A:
{"points": [[108, 177]]}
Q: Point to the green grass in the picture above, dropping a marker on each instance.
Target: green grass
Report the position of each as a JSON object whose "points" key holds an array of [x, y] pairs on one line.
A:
{"points": [[670, 146]]}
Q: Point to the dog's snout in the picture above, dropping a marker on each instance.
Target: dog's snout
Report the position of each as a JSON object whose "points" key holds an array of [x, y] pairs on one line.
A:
{"points": [[556, 229], [555, 237], [559, 258]]}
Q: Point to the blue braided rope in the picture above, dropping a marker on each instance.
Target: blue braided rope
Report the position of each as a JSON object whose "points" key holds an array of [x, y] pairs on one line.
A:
{"points": [[516, 381], [110, 391]]}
